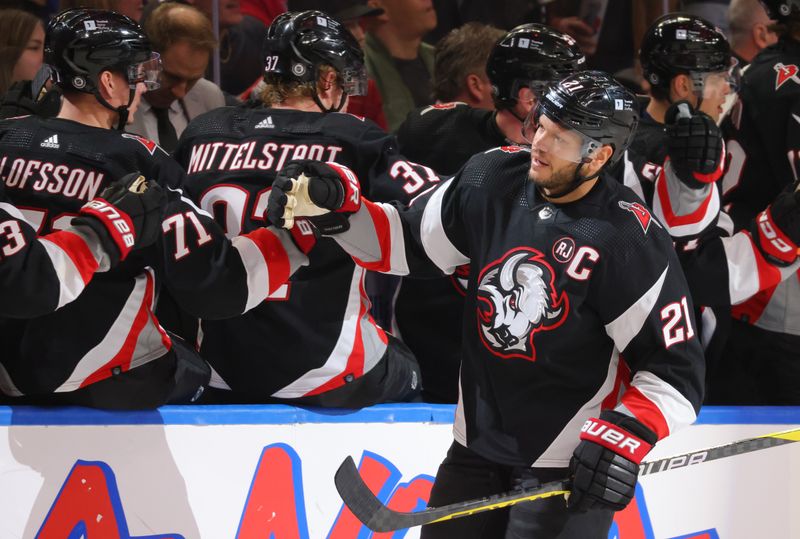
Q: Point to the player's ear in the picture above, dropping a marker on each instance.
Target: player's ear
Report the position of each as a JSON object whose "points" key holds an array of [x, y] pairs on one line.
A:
{"points": [[599, 158], [681, 87], [525, 101], [474, 86], [106, 84]]}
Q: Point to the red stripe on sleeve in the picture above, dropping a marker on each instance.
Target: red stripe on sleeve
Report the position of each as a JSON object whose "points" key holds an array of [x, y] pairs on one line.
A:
{"points": [[383, 231], [75, 247], [275, 256], [768, 274], [645, 411], [675, 220]]}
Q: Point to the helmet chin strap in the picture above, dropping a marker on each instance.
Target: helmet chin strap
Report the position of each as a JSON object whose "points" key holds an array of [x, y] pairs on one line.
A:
{"points": [[576, 182], [325, 109], [122, 110]]}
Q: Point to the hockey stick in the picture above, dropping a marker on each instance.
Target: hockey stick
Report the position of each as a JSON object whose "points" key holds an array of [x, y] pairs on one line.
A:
{"points": [[377, 517]]}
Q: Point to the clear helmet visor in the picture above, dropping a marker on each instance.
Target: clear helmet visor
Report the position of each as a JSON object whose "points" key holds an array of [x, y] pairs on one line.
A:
{"points": [[549, 138], [717, 85], [147, 72], [354, 81]]}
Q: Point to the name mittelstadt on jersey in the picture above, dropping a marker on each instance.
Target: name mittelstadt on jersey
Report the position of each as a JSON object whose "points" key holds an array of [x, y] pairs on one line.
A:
{"points": [[45, 176], [271, 156]]}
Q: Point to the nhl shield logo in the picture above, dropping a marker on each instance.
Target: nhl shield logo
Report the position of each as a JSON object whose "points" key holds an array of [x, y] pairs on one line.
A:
{"points": [[517, 298]]}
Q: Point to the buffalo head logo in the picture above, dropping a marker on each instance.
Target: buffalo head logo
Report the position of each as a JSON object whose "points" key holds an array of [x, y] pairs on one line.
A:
{"points": [[517, 298]]}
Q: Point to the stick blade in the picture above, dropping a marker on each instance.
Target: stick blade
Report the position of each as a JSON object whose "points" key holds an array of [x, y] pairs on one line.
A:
{"points": [[359, 498]]}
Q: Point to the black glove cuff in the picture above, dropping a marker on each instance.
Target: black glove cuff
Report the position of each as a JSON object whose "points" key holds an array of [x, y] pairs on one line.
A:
{"points": [[631, 424]]}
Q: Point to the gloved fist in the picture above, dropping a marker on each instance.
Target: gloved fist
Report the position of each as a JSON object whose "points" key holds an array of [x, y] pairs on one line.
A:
{"points": [[605, 465], [126, 215], [694, 145], [325, 193], [776, 230]]}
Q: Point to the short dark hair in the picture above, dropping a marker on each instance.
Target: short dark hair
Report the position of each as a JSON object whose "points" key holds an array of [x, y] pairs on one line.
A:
{"points": [[172, 22], [461, 52]]}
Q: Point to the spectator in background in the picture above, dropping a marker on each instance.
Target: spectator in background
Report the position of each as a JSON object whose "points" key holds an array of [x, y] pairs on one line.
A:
{"points": [[504, 14], [714, 11], [263, 10], [750, 29], [351, 13], [22, 92], [129, 8], [240, 39], [608, 32], [396, 57], [21, 47], [183, 37]]}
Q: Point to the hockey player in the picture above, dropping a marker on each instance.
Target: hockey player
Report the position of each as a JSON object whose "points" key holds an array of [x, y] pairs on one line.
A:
{"points": [[41, 274], [106, 348], [675, 162], [568, 273], [314, 341], [444, 137], [762, 361]]}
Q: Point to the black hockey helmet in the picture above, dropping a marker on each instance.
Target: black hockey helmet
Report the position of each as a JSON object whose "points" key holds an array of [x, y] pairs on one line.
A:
{"points": [[82, 43], [679, 44], [593, 104], [530, 55], [782, 10], [297, 43]]}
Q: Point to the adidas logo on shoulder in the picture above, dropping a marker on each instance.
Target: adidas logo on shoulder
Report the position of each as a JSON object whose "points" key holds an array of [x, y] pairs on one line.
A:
{"points": [[266, 123], [50, 142]]}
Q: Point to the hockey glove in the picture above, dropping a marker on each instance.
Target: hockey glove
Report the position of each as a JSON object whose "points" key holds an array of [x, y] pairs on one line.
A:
{"points": [[776, 230], [126, 215], [605, 465], [694, 145], [325, 193]]}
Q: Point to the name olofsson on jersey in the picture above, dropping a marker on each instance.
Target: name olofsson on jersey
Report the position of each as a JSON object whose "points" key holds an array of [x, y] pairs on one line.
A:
{"points": [[44, 176], [255, 155]]}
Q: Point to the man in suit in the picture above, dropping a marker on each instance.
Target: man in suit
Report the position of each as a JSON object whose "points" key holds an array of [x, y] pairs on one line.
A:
{"points": [[185, 40]]}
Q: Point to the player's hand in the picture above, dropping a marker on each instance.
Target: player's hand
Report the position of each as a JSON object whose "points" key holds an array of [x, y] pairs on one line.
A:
{"points": [[324, 193], [694, 145], [776, 230], [605, 465], [127, 215]]}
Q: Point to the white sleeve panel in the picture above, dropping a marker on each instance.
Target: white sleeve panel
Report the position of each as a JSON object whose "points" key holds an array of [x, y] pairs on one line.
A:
{"points": [[627, 325], [437, 245], [662, 400]]}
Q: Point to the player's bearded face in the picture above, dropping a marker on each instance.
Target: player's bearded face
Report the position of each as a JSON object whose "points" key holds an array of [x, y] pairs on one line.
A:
{"points": [[555, 155]]}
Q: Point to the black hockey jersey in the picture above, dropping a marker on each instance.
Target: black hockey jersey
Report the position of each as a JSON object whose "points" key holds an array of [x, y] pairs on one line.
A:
{"points": [[762, 135], [557, 296], [50, 168], [445, 135], [40, 274], [428, 312], [723, 268], [316, 333]]}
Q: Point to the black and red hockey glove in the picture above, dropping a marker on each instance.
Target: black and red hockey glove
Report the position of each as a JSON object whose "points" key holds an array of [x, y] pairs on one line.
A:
{"points": [[127, 215], [324, 193], [694, 145], [776, 230], [605, 465]]}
